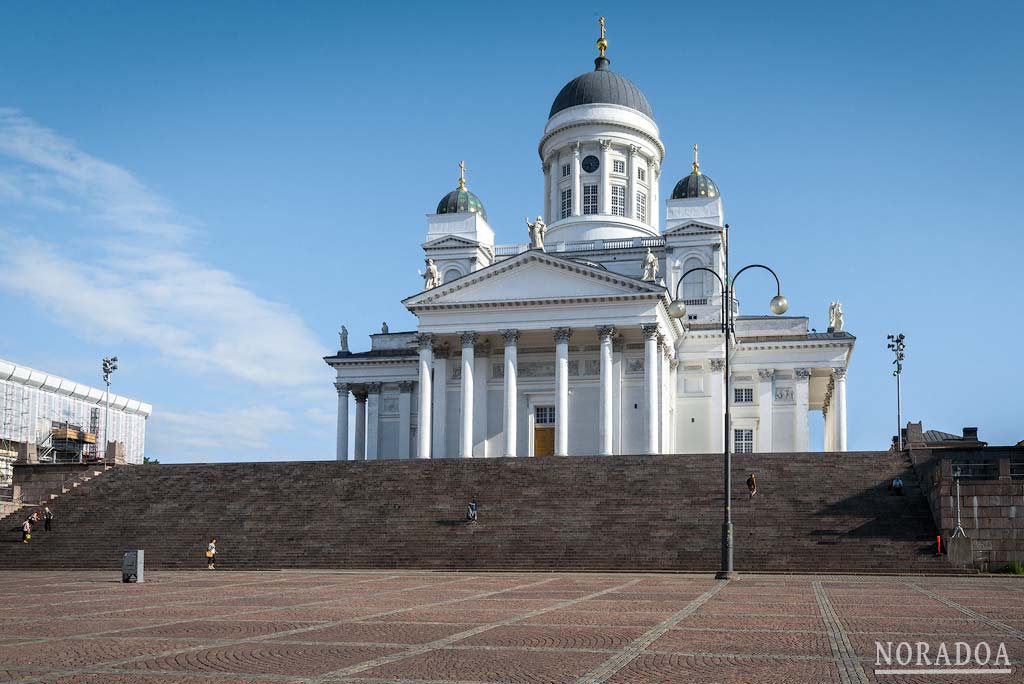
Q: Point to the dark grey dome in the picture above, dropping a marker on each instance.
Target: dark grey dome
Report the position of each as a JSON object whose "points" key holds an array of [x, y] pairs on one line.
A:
{"points": [[601, 86], [695, 185]]}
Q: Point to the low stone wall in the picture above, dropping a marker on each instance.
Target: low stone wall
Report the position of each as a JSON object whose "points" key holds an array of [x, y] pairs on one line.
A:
{"points": [[38, 482], [991, 498]]}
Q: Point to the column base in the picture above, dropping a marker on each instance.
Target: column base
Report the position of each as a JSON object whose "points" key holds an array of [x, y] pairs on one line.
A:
{"points": [[726, 575]]}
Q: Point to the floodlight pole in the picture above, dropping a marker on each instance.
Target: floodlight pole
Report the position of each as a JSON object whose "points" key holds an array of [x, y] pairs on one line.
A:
{"points": [[898, 347], [109, 366]]}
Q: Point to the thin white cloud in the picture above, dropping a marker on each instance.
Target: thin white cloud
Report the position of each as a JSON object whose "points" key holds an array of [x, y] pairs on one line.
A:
{"points": [[128, 275], [224, 433]]}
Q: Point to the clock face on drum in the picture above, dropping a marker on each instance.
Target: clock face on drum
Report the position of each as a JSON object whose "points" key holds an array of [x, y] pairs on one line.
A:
{"points": [[590, 163]]}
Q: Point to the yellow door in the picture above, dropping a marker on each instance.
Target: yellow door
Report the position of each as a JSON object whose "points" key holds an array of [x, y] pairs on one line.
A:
{"points": [[543, 441]]}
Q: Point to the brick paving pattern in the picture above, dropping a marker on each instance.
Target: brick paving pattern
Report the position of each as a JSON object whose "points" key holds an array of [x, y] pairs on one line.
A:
{"points": [[416, 627]]}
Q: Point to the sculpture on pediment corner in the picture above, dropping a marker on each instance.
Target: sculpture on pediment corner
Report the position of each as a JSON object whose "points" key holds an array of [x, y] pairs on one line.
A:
{"points": [[650, 267], [343, 340], [835, 317], [538, 229], [384, 328], [431, 277]]}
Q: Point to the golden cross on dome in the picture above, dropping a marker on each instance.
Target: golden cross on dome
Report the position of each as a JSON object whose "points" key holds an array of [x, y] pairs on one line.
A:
{"points": [[462, 175], [602, 44], [696, 163]]}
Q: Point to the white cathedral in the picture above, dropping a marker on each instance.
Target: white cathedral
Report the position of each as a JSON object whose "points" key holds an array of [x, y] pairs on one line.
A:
{"points": [[565, 345]]}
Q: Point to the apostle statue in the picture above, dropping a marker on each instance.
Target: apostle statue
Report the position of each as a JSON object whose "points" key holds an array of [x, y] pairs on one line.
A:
{"points": [[538, 229], [650, 267], [384, 328], [431, 277], [835, 317], [343, 339]]}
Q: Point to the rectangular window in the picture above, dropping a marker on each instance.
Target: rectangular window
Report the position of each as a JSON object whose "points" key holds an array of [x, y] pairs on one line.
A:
{"points": [[566, 203], [589, 199], [743, 441], [566, 170], [641, 174], [618, 166], [618, 200], [641, 206], [544, 415], [743, 395]]}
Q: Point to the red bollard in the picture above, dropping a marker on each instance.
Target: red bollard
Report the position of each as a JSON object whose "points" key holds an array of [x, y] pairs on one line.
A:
{"points": [[938, 542]]}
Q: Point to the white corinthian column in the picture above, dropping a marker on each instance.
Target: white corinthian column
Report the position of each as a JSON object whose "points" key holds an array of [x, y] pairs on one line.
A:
{"points": [[360, 453], [341, 452], [651, 384], [468, 339], [562, 336], [426, 344], [839, 406], [511, 392], [605, 333]]}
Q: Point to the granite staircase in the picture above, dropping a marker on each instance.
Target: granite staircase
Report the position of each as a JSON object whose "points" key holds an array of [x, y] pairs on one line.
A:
{"points": [[813, 512]]}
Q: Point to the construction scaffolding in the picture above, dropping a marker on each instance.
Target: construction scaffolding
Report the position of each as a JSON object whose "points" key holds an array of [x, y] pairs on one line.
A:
{"points": [[13, 420]]}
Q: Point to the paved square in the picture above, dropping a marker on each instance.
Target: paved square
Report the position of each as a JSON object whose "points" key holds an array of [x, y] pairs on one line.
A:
{"points": [[411, 627]]}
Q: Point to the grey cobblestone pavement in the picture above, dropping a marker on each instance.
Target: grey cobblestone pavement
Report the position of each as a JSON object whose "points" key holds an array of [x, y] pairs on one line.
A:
{"points": [[317, 627]]}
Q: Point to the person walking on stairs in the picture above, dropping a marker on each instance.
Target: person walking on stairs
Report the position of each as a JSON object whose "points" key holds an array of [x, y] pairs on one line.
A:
{"points": [[471, 512], [752, 485], [26, 530], [211, 554], [47, 519]]}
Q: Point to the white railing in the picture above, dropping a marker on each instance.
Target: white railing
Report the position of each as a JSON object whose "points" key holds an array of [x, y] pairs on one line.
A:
{"points": [[584, 245]]}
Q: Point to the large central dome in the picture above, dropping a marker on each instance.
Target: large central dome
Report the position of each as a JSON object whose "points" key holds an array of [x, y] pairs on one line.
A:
{"points": [[601, 86]]}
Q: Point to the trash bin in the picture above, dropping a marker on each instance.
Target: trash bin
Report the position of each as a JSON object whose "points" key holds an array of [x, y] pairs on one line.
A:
{"points": [[133, 566]]}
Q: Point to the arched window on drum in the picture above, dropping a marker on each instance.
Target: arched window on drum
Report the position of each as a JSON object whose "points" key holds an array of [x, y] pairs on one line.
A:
{"points": [[451, 274], [693, 284]]}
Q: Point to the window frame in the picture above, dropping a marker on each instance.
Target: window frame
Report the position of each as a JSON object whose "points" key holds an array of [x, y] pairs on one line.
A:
{"points": [[743, 446], [641, 206], [618, 193], [590, 199], [619, 166], [746, 392], [565, 205]]}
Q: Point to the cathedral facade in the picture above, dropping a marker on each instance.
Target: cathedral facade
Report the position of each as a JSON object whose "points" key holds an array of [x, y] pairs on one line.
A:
{"points": [[569, 344]]}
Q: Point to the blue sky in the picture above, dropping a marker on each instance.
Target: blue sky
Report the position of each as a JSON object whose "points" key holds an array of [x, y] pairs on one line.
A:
{"points": [[210, 190]]}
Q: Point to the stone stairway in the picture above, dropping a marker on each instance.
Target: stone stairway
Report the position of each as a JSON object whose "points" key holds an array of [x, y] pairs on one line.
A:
{"points": [[813, 513]]}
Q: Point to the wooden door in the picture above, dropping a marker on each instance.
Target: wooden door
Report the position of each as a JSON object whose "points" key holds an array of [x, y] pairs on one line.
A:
{"points": [[543, 441]]}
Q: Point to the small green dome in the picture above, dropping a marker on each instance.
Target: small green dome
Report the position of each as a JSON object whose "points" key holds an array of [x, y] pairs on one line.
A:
{"points": [[460, 201], [695, 185]]}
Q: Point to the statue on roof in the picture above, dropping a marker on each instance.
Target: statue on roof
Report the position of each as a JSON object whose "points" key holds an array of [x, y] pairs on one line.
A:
{"points": [[835, 317], [343, 339], [384, 328], [650, 267], [431, 277], [538, 229]]}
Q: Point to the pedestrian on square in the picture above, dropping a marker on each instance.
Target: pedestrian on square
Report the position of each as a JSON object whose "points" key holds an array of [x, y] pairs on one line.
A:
{"points": [[471, 511], [211, 554], [26, 530], [752, 485], [47, 519]]}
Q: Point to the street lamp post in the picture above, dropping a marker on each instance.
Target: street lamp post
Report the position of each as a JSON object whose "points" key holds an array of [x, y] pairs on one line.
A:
{"points": [[109, 366], [677, 309], [897, 347]]}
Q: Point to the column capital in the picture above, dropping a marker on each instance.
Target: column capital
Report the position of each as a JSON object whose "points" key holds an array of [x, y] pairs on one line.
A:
{"points": [[360, 395], [405, 387], [839, 374], [425, 341], [605, 332], [342, 387], [605, 143], [562, 334], [765, 374], [673, 363], [442, 350], [545, 166], [618, 343], [511, 336], [650, 330], [633, 149], [374, 387], [468, 338], [802, 373], [482, 348], [575, 146], [717, 365]]}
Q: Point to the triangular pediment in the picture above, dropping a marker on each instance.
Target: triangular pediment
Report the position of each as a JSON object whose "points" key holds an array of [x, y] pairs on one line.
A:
{"points": [[694, 226], [534, 276], [449, 241]]}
